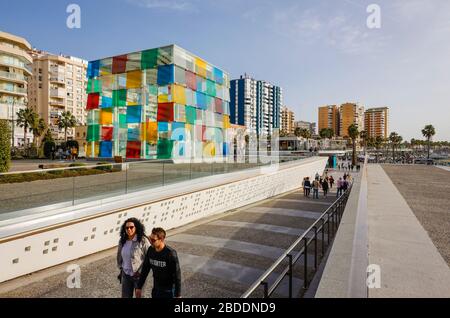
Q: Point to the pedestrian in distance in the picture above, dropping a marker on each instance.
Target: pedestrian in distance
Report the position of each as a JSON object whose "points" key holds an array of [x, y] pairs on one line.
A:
{"points": [[303, 186], [163, 261], [339, 188], [133, 246], [307, 186], [316, 186], [331, 180], [325, 187]]}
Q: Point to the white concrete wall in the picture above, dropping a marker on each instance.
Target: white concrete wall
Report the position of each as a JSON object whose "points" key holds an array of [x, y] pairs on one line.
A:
{"points": [[46, 247]]}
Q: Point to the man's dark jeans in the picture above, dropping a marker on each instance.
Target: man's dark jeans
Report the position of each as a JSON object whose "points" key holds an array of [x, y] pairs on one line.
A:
{"points": [[160, 293]]}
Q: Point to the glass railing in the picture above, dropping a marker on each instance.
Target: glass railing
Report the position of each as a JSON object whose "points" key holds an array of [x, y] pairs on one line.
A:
{"points": [[62, 187], [13, 89], [13, 76]]}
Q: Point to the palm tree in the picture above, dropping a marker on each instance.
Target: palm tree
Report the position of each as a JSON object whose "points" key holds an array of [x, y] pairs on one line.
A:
{"points": [[39, 127], [428, 132], [395, 140], [363, 135], [378, 142], [66, 120], [25, 119], [353, 133]]}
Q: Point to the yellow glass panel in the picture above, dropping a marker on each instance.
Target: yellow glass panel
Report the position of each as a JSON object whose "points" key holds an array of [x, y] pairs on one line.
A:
{"points": [[134, 79], [163, 98], [96, 149], [179, 96], [152, 132], [106, 117], [200, 67], [209, 149], [226, 122]]}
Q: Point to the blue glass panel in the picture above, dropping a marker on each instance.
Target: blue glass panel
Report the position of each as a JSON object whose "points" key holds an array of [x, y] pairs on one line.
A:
{"points": [[134, 133], [163, 126], [178, 131], [93, 69], [134, 114], [106, 149], [218, 76], [201, 101], [106, 102], [165, 74]]}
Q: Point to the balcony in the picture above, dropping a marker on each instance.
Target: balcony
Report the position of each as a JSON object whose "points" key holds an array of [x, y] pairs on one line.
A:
{"points": [[57, 79], [58, 93], [58, 103], [25, 67], [13, 90], [12, 76], [56, 69]]}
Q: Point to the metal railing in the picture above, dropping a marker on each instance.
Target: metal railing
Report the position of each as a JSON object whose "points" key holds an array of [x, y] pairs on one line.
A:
{"points": [[326, 225]]}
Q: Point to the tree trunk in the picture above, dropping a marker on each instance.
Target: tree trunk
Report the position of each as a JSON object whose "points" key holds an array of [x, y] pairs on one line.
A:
{"points": [[65, 135], [393, 153], [354, 153], [428, 148], [25, 136]]}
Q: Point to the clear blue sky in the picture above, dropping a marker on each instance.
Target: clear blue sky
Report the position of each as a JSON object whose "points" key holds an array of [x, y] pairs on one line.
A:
{"points": [[319, 51]]}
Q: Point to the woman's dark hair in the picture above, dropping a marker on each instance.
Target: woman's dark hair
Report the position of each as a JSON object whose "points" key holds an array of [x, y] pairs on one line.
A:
{"points": [[140, 230]]}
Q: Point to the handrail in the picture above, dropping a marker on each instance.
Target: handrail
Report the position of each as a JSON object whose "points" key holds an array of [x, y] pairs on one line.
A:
{"points": [[287, 254]]}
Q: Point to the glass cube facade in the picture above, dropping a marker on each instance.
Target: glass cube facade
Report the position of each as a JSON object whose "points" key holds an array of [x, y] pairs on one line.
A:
{"points": [[157, 104]]}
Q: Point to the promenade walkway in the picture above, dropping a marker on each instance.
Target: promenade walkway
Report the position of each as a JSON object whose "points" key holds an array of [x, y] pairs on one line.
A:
{"points": [[411, 265], [220, 256]]}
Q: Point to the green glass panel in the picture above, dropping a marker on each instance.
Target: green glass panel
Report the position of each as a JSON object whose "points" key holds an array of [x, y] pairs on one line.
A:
{"points": [[149, 59], [94, 86], [165, 148], [210, 88], [93, 133], [120, 97], [123, 121], [191, 114]]}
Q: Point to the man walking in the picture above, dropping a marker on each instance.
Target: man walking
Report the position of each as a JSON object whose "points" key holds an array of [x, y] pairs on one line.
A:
{"points": [[316, 185], [163, 260]]}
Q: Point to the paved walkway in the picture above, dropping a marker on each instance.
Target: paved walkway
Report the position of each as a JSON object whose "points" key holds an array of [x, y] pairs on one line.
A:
{"points": [[220, 257], [411, 265]]}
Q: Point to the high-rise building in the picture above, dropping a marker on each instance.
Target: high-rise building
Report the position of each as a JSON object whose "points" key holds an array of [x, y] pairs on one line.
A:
{"points": [[287, 120], [306, 125], [163, 103], [350, 113], [255, 104], [15, 71], [376, 122], [58, 85], [329, 118]]}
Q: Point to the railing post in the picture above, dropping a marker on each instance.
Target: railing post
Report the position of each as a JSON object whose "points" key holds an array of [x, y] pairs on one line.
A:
{"points": [[315, 248], [328, 229], [323, 237], [305, 273], [290, 275]]}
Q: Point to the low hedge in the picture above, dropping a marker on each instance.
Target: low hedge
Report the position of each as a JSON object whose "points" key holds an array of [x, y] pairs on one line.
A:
{"points": [[54, 174]]}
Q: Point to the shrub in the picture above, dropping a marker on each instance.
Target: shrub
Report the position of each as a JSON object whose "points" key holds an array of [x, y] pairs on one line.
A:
{"points": [[77, 164], [48, 146], [5, 146], [105, 166]]}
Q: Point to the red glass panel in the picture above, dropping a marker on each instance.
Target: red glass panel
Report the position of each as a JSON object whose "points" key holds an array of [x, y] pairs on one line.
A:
{"points": [[119, 64], [133, 149], [218, 104], [93, 101], [107, 133], [165, 112], [191, 81]]}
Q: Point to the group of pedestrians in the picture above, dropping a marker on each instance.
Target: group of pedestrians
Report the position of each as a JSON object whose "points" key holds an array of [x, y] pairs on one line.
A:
{"points": [[137, 254], [325, 183], [348, 166]]}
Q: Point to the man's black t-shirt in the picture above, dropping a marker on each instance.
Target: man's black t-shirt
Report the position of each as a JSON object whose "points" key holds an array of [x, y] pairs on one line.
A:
{"points": [[166, 269]]}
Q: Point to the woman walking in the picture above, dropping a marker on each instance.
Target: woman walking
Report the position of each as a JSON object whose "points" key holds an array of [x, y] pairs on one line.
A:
{"points": [[325, 187], [133, 246]]}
